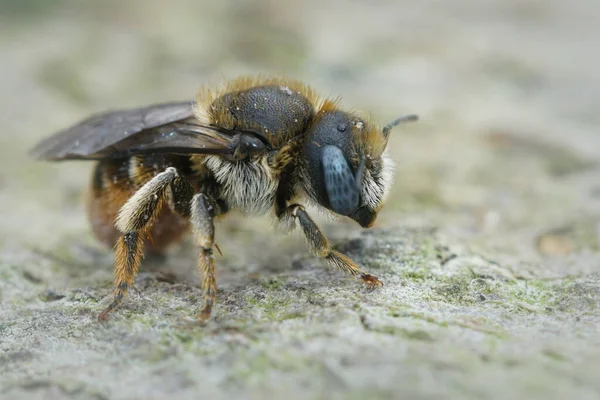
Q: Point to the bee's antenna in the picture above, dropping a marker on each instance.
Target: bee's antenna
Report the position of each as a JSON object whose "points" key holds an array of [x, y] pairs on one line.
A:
{"points": [[404, 118]]}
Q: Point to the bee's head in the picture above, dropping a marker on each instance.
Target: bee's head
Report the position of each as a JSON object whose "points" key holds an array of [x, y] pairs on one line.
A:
{"points": [[346, 169]]}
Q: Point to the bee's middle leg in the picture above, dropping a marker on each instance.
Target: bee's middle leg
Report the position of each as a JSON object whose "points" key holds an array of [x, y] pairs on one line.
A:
{"points": [[319, 245], [203, 211], [135, 218]]}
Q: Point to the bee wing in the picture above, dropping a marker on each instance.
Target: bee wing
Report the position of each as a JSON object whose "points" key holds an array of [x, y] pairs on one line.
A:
{"points": [[160, 127]]}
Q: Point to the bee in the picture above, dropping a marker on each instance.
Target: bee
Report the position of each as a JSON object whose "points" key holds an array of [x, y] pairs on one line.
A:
{"points": [[259, 145]]}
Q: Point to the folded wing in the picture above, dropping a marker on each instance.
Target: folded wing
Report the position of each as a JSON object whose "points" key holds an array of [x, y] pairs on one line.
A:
{"points": [[168, 127]]}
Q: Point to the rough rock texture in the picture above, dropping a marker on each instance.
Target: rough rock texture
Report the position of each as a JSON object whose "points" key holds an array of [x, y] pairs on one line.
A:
{"points": [[488, 246]]}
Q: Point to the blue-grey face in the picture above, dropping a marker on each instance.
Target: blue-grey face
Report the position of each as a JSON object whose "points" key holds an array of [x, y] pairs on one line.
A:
{"points": [[342, 186], [332, 179], [330, 176]]}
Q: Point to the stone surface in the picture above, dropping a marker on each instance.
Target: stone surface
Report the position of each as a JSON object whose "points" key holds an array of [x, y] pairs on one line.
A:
{"points": [[488, 246]]}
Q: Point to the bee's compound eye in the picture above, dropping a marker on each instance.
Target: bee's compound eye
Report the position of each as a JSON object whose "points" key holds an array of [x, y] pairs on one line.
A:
{"points": [[250, 143], [340, 184]]}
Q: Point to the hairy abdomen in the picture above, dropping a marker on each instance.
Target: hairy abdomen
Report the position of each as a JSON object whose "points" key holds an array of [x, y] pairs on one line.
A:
{"points": [[113, 183]]}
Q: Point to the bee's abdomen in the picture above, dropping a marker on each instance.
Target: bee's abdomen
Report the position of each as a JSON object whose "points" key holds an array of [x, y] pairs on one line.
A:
{"points": [[113, 183], [274, 111]]}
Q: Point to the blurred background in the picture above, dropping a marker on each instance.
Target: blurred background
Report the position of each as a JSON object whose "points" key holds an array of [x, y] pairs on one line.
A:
{"points": [[507, 146], [504, 162]]}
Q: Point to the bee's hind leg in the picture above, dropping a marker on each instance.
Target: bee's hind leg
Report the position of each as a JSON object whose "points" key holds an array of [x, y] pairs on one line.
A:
{"points": [[319, 245], [135, 218]]}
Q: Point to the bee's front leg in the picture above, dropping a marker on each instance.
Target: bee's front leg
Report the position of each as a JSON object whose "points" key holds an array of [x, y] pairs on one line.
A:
{"points": [[203, 211], [319, 245]]}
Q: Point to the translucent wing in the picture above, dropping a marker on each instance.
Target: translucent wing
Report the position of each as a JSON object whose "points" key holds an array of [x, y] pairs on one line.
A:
{"points": [[169, 127]]}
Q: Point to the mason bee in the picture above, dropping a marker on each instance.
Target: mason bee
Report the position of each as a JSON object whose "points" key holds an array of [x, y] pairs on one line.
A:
{"points": [[258, 145]]}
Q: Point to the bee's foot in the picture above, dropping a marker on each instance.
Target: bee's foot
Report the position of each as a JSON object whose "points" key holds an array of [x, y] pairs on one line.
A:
{"points": [[103, 316], [205, 314], [370, 280]]}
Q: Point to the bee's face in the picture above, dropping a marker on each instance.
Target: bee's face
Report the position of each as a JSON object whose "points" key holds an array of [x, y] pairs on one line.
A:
{"points": [[375, 185], [346, 170]]}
